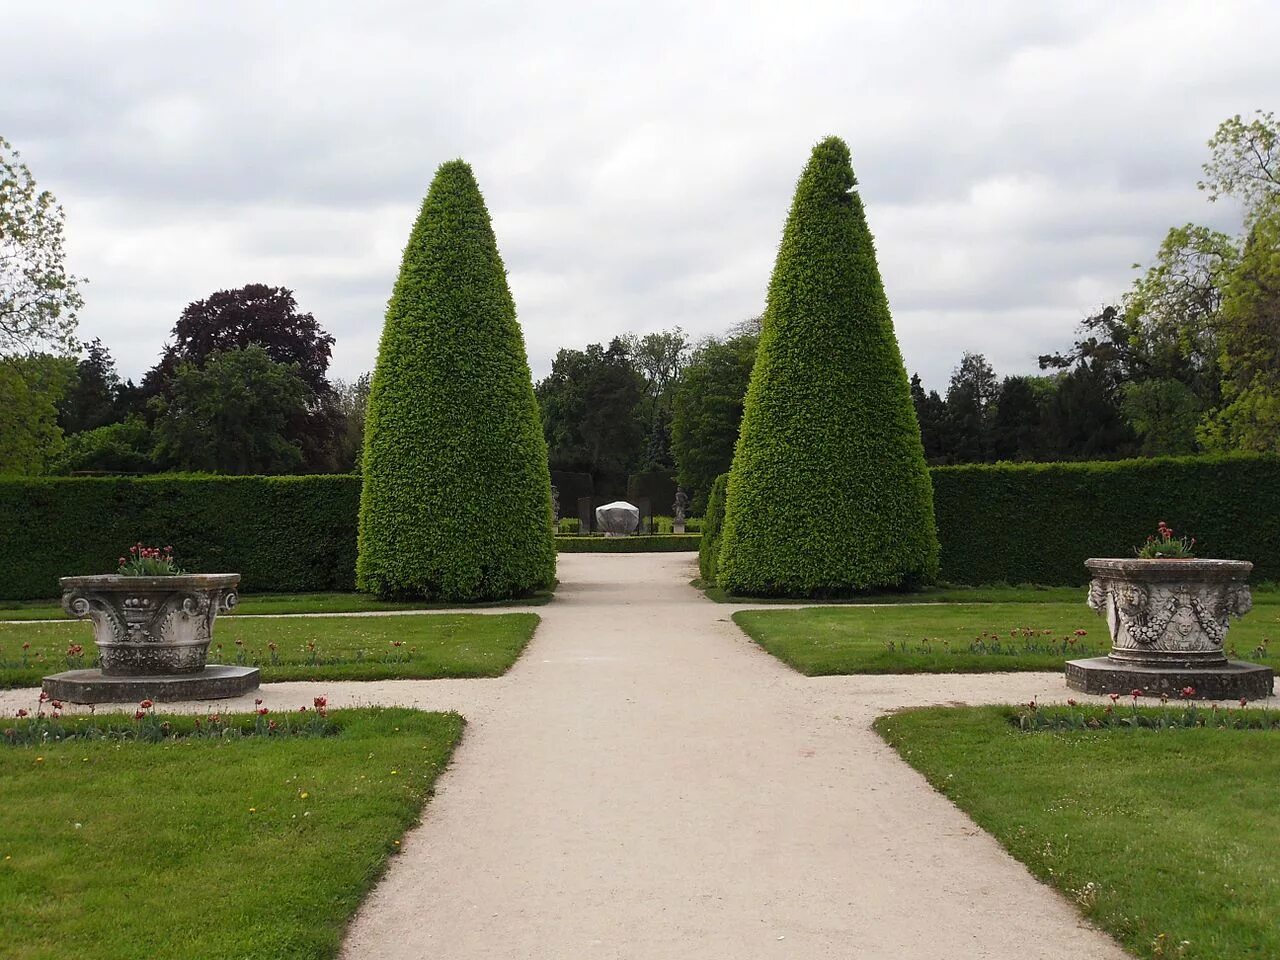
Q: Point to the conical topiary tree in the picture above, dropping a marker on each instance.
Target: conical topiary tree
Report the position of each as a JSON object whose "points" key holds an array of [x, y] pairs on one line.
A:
{"points": [[828, 493], [456, 503]]}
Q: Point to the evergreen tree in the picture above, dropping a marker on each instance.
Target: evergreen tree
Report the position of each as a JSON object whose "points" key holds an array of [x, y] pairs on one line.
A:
{"points": [[707, 411], [1082, 418], [969, 396], [1015, 424], [91, 399], [828, 493], [456, 500], [590, 406], [931, 414]]}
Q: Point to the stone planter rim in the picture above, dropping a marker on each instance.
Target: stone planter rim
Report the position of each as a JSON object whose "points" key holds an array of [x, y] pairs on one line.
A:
{"points": [[1165, 569], [179, 581]]}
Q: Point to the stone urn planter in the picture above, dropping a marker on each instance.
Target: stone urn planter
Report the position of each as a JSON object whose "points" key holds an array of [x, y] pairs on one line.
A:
{"points": [[1168, 620], [152, 635]]}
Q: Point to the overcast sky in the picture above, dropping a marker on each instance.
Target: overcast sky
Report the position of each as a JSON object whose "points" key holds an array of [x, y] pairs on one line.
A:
{"points": [[1016, 159]]}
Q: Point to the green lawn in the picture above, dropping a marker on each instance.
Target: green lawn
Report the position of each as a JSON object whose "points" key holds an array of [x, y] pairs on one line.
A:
{"points": [[260, 603], [947, 594], [244, 848], [1265, 592], [1159, 837], [956, 638], [312, 648]]}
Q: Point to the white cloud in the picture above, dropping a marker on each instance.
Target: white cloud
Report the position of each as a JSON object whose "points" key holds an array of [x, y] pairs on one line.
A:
{"points": [[638, 160]]}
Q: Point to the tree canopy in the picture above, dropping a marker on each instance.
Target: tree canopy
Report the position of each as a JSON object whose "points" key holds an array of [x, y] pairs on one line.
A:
{"points": [[590, 407], [39, 299], [231, 415], [706, 411], [252, 315], [31, 387]]}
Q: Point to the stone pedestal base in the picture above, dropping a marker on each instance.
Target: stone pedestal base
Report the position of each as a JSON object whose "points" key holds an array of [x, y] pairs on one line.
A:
{"points": [[1222, 681], [91, 686]]}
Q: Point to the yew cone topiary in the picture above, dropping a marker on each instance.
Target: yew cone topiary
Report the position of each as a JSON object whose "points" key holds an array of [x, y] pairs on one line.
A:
{"points": [[456, 501], [828, 493]]}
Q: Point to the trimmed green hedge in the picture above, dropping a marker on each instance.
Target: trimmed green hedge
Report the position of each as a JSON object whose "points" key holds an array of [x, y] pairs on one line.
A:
{"points": [[709, 549], [1037, 523], [281, 534], [571, 486], [645, 543], [656, 486], [828, 493], [456, 504], [663, 524], [1010, 523]]}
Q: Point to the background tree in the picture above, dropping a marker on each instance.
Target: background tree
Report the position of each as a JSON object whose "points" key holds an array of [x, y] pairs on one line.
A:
{"points": [[1014, 424], [1082, 418], [231, 415], [1172, 313], [1245, 163], [1164, 413], [1249, 418], [252, 315], [30, 389], [39, 299], [124, 447], [658, 358], [931, 414], [706, 412], [1154, 359], [828, 492], [93, 396], [970, 394], [590, 410], [266, 317], [456, 499], [351, 400]]}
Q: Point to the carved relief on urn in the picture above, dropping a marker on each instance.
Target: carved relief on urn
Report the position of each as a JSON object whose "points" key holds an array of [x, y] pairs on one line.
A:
{"points": [[1169, 611], [150, 626]]}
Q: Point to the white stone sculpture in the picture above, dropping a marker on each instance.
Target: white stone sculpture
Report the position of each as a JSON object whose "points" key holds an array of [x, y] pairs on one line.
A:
{"points": [[618, 518]]}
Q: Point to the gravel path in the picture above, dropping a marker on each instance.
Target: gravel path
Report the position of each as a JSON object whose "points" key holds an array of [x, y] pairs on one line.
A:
{"points": [[647, 783]]}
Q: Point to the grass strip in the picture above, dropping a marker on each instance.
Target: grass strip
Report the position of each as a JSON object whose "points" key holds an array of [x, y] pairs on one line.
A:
{"points": [[315, 648], [1168, 839], [1264, 594], [254, 847], [957, 638], [284, 603]]}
